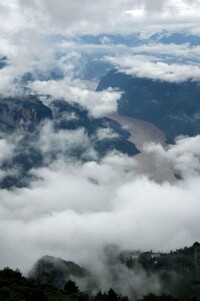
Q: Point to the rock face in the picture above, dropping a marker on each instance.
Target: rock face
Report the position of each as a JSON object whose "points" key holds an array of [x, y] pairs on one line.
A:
{"points": [[69, 116], [27, 124], [3, 62], [172, 107], [28, 111]]}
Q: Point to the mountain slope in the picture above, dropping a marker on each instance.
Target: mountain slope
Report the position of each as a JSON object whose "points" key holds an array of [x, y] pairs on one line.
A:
{"points": [[38, 134], [177, 272], [172, 107], [57, 271]]}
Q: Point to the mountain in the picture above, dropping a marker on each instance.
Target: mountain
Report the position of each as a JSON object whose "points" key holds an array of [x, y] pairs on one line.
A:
{"points": [[80, 118], [56, 271], [177, 38], [172, 107], [178, 272], [26, 111], [15, 287], [24, 121], [94, 65], [54, 73], [3, 62], [113, 39], [135, 39]]}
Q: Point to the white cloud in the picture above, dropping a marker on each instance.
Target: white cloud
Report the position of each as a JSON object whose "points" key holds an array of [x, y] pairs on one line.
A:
{"points": [[173, 51], [29, 26], [6, 150], [87, 16], [48, 17], [63, 143], [98, 103], [183, 158], [73, 207], [73, 210], [151, 67], [106, 134]]}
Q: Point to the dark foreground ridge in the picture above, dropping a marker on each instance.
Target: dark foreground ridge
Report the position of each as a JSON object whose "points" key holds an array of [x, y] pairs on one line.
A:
{"points": [[55, 279]]}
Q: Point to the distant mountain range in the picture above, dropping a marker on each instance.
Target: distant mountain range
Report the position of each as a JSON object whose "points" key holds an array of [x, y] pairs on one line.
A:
{"points": [[3, 62], [136, 39], [95, 66], [172, 107]]}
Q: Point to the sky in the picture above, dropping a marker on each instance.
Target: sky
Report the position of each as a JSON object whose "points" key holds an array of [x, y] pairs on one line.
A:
{"points": [[75, 209], [33, 33], [78, 16]]}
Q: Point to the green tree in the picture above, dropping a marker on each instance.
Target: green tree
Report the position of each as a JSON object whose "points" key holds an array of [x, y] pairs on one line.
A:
{"points": [[71, 287], [35, 295], [112, 295]]}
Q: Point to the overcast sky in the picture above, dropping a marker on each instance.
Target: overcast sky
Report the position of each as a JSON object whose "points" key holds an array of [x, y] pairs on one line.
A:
{"points": [[28, 25], [61, 17]]}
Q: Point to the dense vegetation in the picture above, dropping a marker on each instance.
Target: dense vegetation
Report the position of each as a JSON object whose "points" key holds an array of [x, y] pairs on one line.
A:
{"points": [[15, 287], [51, 279], [178, 271]]}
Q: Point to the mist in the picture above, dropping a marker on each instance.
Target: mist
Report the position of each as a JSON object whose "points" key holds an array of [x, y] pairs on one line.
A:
{"points": [[75, 207], [75, 210]]}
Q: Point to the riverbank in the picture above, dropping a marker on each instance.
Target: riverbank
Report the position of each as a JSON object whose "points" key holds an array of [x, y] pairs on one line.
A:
{"points": [[143, 133]]}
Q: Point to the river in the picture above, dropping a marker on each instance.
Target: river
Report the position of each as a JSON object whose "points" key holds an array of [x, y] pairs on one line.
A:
{"points": [[143, 132]]}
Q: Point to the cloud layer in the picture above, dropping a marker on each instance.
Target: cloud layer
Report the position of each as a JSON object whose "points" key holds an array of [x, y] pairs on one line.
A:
{"points": [[74, 210], [84, 16], [98, 103], [151, 67]]}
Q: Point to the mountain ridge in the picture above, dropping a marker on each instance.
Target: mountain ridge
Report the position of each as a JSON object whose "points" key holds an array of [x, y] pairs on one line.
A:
{"points": [[172, 107]]}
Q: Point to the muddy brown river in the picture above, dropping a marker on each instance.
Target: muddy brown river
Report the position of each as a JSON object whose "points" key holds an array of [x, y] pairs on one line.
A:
{"points": [[142, 133]]}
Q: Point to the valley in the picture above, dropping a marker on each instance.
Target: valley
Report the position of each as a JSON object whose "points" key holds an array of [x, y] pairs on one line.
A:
{"points": [[100, 150], [143, 133]]}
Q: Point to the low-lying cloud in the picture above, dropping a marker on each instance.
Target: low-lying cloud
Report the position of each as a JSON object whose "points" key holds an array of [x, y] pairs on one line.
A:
{"points": [[151, 67], [98, 103], [73, 209]]}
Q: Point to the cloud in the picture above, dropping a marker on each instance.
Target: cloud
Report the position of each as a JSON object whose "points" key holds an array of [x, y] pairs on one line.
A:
{"points": [[106, 134], [86, 17], [183, 158], [62, 144], [34, 34], [6, 150], [185, 52], [98, 103], [64, 17], [74, 209], [152, 67], [74, 206]]}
